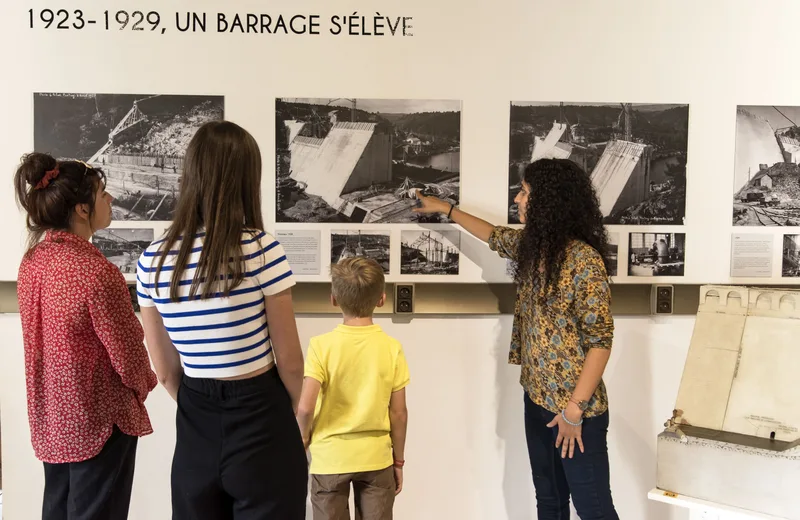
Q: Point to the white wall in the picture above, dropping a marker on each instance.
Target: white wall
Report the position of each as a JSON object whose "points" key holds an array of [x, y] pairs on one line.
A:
{"points": [[466, 447], [713, 55], [467, 457]]}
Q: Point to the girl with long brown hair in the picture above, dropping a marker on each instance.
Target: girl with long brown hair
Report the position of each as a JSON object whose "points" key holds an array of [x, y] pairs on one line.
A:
{"points": [[86, 367], [216, 302]]}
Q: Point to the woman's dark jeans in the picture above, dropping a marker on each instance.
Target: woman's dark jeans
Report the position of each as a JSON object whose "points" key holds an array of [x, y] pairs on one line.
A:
{"points": [[585, 476]]}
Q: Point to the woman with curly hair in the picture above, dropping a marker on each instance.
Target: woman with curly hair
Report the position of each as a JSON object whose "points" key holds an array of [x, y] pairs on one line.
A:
{"points": [[562, 333]]}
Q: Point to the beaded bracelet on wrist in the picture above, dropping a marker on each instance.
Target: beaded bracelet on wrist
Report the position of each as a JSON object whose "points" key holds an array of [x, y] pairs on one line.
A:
{"points": [[564, 416]]}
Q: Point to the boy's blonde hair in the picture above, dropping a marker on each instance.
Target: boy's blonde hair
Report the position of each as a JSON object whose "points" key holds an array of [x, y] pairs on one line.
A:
{"points": [[358, 285]]}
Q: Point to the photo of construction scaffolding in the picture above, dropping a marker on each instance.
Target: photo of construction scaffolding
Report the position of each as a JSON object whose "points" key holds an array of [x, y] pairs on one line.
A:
{"points": [[139, 140], [123, 247], [790, 267], [635, 154], [369, 243], [429, 252], [612, 255], [766, 189], [657, 254], [362, 160]]}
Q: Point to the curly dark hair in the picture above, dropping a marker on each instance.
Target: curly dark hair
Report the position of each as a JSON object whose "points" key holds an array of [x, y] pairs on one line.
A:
{"points": [[562, 206]]}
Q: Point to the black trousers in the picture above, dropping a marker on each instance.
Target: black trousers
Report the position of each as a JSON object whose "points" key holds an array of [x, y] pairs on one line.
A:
{"points": [[238, 452], [94, 489]]}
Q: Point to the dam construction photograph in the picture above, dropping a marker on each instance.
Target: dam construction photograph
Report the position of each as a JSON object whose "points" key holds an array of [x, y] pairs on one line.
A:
{"points": [[362, 160], [368, 243], [138, 140], [429, 251], [123, 247], [634, 152], [766, 188]]}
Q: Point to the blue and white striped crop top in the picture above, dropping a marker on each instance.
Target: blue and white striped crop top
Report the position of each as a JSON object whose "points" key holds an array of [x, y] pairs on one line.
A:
{"points": [[218, 337]]}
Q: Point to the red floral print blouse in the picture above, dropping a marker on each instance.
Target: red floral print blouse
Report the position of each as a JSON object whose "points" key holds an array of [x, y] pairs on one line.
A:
{"points": [[86, 366]]}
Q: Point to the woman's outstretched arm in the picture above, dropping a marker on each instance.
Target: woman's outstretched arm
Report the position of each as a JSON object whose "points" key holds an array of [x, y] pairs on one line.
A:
{"points": [[474, 225]]}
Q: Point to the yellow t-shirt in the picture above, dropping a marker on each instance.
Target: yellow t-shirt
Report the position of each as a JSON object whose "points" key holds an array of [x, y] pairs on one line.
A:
{"points": [[359, 369]]}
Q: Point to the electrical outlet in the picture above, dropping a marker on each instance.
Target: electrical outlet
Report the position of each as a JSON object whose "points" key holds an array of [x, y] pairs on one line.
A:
{"points": [[404, 298], [662, 299]]}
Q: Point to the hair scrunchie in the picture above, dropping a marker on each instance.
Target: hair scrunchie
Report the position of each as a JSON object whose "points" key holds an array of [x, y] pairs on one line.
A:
{"points": [[48, 176]]}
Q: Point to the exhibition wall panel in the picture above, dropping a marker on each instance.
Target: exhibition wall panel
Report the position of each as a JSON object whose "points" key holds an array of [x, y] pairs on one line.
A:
{"points": [[666, 106]]}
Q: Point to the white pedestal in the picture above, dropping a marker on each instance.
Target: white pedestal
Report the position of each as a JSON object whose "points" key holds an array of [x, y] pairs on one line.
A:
{"points": [[703, 510]]}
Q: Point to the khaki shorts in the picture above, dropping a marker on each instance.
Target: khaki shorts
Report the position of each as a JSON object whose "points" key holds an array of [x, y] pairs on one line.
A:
{"points": [[374, 493]]}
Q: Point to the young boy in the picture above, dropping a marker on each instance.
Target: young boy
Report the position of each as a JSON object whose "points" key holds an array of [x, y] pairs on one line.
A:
{"points": [[359, 374]]}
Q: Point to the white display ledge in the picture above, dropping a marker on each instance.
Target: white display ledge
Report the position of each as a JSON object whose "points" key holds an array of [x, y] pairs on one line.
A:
{"points": [[703, 506]]}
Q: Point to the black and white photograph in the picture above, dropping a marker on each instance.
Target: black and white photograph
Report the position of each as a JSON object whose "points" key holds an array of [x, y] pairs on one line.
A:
{"points": [[430, 252], [634, 152], [123, 247], [790, 267], [358, 242], [612, 255], [139, 141], [362, 160], [766, 189], [134, 297], [657, 254]]}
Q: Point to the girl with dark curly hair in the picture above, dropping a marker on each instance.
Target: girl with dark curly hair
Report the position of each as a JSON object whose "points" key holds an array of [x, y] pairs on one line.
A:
{"points": [[562, 333]]}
